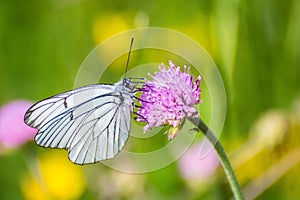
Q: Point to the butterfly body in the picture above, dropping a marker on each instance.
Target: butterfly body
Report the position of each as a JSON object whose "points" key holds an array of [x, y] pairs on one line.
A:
{"points": [[91, 122]]}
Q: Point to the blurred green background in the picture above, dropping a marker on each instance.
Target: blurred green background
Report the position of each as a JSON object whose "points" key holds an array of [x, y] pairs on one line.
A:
{"points": [[255, 44]]}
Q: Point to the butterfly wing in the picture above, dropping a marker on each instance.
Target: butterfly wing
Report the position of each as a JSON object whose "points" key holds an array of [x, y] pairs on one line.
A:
{"points": [[91, 122]]}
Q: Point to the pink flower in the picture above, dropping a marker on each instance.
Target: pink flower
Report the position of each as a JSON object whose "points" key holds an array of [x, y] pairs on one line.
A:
{"points": [[13, 131], [196, 169], [169, 98]]}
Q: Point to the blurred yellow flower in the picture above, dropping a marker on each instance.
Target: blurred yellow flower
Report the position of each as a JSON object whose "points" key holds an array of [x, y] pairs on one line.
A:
{"points": [[107, 26], [56, 178], [32, 189]]}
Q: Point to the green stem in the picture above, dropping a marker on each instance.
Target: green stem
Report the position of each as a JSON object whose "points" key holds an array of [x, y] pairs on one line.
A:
{"points": [[234, 184]]}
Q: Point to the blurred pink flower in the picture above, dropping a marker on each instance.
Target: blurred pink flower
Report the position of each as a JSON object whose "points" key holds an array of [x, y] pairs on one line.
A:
{"points": [[195, 168], [13, 131]]}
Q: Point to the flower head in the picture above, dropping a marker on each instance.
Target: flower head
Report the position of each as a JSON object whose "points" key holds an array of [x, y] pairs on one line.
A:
{"points": [[13, 131], [169, 98]]}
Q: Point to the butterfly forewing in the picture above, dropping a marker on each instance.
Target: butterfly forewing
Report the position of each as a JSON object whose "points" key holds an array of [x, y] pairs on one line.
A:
{"points": [[91, 122]]}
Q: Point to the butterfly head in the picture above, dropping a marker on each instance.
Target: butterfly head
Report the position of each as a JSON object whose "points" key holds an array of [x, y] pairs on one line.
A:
{"points": [[128, 85]]}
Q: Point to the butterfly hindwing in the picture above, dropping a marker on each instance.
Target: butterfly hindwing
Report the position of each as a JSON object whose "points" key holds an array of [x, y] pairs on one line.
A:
{"points": [[88, 149]]}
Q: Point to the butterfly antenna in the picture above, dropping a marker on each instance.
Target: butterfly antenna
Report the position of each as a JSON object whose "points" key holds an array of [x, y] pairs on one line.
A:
{"points": [[127, 63]]}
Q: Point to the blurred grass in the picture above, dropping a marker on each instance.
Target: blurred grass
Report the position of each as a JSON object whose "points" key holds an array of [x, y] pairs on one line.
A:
{"points": [[255, 44]]}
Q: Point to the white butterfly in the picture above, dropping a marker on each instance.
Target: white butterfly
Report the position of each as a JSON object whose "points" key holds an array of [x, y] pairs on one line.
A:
{"points": [[91, 122]]}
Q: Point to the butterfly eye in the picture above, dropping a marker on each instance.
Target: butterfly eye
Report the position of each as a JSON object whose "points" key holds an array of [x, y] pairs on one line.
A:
{"points": [[127, 83]]}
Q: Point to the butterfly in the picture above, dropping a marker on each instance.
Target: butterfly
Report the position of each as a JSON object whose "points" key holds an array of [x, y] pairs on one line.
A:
{"points": [[91, 122]]}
